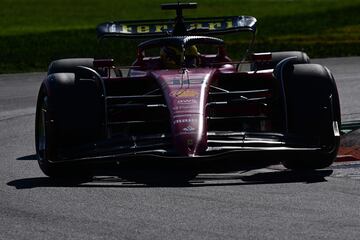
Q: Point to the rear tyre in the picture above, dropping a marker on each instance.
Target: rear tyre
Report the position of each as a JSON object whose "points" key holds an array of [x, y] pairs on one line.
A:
{"points": [[313, 114], [276, 57], [69, 65]]}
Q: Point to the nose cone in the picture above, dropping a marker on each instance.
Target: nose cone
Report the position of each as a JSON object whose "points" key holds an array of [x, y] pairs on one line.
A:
{"points": [[190, 138], [186, 95]]}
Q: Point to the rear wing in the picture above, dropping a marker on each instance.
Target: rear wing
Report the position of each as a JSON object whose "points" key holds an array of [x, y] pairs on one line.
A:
{"points": [[165, 27]]}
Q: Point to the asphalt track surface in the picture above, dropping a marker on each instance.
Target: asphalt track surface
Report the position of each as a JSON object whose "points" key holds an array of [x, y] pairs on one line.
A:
{"points": [[268, 203]]}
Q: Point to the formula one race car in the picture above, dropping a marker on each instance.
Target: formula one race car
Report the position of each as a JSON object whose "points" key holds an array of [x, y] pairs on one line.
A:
{"points": [[185, 104]]}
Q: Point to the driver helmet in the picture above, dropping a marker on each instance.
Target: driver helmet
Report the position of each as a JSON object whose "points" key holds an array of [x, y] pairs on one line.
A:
{"points": [[191, 56], [171, 56]]}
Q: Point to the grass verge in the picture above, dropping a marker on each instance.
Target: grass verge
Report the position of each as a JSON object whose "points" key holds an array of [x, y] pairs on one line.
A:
{"points": [[34, 32]]}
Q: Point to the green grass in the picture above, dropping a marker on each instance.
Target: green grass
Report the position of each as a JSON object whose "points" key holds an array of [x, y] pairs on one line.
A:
{"points": [[35, 32]]}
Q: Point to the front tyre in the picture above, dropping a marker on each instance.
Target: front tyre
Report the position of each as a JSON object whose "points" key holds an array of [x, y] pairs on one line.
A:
{"points": [[313, 114], [68, 116], [45, 141]]}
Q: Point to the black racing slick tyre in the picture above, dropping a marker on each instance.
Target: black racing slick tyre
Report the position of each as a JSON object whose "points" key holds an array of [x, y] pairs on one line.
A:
{"points": [[69, 65], [68, 114], [313, 113], [44, 140], [276, 57]]}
